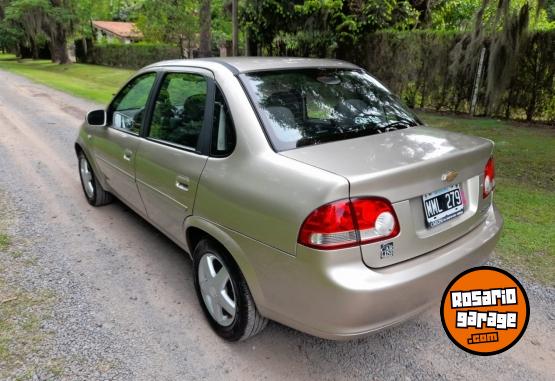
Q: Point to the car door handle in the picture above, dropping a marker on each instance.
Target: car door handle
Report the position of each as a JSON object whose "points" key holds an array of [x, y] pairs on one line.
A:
{"points": [[182, 183], [127, 154]]}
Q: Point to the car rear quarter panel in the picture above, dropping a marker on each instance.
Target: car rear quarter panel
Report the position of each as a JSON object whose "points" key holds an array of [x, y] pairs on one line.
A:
{"points": [[265, 197]]}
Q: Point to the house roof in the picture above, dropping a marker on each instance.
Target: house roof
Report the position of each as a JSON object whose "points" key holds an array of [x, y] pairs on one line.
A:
{"points": [[121, 29]]}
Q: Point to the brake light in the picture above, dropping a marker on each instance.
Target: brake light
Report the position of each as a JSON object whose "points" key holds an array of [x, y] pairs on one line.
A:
{"points": [[348, 223], [489, 178]]}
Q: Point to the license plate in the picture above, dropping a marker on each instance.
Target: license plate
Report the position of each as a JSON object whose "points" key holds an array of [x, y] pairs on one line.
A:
{"points": [[443, 205]]}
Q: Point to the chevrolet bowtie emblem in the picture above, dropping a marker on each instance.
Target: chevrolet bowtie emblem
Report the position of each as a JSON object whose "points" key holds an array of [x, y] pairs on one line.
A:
{"points": [[449, 176]]}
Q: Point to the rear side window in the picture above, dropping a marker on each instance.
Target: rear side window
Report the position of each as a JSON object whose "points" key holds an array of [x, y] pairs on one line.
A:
{"points": [[128, 108], [312, 106], [223, 130], [178, 115]]}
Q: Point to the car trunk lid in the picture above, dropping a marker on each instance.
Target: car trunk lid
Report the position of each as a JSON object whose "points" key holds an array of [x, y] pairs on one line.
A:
{"points": [[403, 166]]}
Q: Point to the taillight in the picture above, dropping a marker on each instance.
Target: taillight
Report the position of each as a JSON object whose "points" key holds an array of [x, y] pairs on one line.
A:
{"points": [[489, 178], [348, 223], [375, 219]]}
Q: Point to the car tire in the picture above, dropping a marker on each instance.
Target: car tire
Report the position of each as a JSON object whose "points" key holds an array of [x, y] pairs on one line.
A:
{"points": [[94, 193], [214, 290]]}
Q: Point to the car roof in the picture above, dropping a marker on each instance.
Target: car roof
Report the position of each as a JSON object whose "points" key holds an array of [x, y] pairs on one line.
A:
{"points": [[249, 64]]}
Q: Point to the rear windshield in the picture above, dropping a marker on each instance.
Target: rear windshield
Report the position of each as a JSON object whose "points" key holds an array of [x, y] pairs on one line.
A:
{"points": [[313, 106]]}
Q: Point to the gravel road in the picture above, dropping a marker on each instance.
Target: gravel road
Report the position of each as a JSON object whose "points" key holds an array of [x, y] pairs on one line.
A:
{"points": [[125, 307]]}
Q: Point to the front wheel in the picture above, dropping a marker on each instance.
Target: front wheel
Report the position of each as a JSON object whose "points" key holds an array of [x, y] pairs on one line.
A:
{"points": [[95, 194], [224, 295]]}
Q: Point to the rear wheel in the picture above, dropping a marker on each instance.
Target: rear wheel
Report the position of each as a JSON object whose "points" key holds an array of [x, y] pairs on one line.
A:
{"points": [[224, 295], [95, 194]]}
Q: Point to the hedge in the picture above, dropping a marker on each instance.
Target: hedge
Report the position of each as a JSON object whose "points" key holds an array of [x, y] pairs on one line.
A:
{"points": [[132, 56], [416, 65]]}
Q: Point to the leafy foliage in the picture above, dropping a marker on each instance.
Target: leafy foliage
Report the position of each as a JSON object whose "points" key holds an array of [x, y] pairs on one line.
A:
{"points": [[503, 33], [31, 21], [170, 22], [434, 45], [416, 64], [133, 56], [320, 27]]}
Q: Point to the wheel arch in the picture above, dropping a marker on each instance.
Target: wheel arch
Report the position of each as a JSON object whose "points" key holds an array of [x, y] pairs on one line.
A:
{"points": [[197, 228], [79, 147]]}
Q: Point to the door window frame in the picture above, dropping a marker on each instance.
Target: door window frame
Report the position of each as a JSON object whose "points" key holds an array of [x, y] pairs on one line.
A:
{"points": [[213, 130], [110, 111], [205, 136]]}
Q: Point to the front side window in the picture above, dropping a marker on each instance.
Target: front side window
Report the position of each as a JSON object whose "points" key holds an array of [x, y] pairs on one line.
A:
{"points": [[128, 108], [313, 106], [178, 115]]}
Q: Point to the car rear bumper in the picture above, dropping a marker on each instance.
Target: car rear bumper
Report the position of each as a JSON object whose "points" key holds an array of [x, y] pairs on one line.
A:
{"points": [[334, 295]]}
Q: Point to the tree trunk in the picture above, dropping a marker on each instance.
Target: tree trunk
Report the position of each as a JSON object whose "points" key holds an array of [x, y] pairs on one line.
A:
{"points": [[510, 101], [235, 34], [251, 45], [182, 47], [205, 15], [53, 52], [58, 46], [34, 49], [18, 53], [531, 109], [58, 34], [85, 48]]}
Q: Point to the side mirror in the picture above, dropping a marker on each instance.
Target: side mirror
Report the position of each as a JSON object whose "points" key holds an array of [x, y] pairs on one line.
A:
{"points": [[97, 118]]}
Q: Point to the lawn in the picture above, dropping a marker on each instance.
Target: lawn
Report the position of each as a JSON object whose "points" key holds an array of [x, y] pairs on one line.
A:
{"points": [[525, 177], [525, 162], [93, 82]]}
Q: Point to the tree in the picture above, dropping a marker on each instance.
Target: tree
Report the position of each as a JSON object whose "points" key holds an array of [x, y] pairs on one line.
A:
{"points": [[53, 20], [222, 23], [321, 27], [126, 10], [170, 21], [205, 19], [550, 8], [454, 14], [28, 17], [235, 22], [263, 20], [10, 35], [59, 24], [502, 27]]}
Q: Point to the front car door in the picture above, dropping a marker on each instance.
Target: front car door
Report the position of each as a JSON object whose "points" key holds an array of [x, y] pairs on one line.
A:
{"points": [[115, 147], [170, 160]]}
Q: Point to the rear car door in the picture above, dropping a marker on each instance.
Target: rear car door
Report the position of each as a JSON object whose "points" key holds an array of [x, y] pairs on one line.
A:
{"points": [[174, 152], [115, 147]]}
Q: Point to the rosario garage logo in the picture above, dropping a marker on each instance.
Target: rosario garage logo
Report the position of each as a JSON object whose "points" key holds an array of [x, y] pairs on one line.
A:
{"points": [[485, 311]]}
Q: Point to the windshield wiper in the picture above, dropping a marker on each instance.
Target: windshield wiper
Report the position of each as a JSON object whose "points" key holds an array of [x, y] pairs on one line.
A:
{"points": [[332, 137], [398, 125]]}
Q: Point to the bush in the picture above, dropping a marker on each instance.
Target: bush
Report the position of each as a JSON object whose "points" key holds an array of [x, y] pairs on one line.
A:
{"points": [[416, 65], [132, 56]]}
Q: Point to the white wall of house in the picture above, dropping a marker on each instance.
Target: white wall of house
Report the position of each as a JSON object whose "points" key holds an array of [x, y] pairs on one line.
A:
{"points": [[110, 37]]}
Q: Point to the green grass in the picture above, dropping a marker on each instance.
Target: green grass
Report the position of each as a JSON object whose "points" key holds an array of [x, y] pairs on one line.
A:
{"points": [[96, 83], [525, 193], [4, 241]]}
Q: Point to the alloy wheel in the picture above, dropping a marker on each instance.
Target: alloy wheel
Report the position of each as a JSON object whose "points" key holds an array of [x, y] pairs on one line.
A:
{"points": [[86, 177], [217, 289]]}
